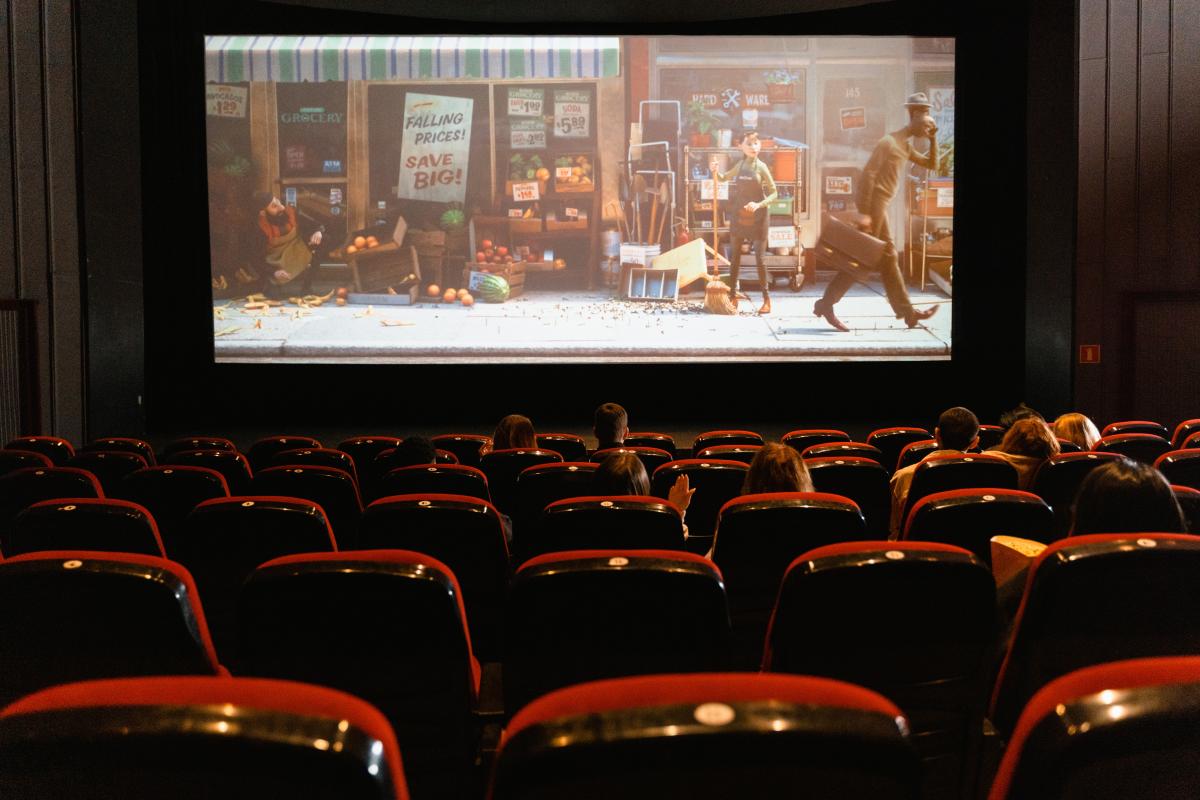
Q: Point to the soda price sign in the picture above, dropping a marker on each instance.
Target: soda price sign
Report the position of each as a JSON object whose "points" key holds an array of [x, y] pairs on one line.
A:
{"points": [[526, 102], [572, 115]]}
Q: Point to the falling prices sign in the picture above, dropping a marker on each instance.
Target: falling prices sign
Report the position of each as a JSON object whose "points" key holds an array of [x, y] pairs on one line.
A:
{"points": [[435, 148]]}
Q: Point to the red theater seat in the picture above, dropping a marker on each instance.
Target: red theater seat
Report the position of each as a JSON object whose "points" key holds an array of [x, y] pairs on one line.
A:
{"points": [[713, 438], [109, 467], [364, 449], [803, 438], [663, 441], [758, 536], [990, 436], [121, 444], [914, 452], [892, 440], [863, 480], [609, 523], [198, 738], [1135, 426], [76, 614], [1181, 467], [24, 487], [538, 487], [969, 518], [316, 457], [716, 481], [1109, 732], [568, 445], [1189, 502], [232, 465], [57, 449], [944, 473], [708, 737], [84, 523], [651, 457], [333, 489], [1183, 431], [915, 621], [198, 443], [591, 614], [170, 494], [444, 457], [435, 479], [1144, 447], [845, 449], [502, 468], [466, 535], [730, 452], [384, 625], [465, 446], [1058, 480], [261, 452], [1097, 598], [13, 460]]}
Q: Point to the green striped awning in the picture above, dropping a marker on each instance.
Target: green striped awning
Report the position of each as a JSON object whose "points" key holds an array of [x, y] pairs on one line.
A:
{"points": [[229, 59]]}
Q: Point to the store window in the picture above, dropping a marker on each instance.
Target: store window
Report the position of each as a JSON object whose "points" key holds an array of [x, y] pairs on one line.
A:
{"points": [[768, 99], [312, 129]]}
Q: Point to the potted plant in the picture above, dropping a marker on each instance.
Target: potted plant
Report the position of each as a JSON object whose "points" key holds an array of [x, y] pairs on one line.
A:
{"points": [[781, 85], [701, 122]]}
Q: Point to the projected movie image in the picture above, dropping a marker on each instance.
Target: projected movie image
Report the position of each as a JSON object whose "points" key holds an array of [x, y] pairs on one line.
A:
{"points": [[623, 199]]}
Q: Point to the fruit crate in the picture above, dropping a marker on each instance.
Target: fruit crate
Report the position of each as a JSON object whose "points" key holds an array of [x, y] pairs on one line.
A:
{"points": [[514, 273], [574, 173]]}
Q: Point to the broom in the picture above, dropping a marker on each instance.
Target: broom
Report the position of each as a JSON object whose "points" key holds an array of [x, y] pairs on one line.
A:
{"points": [[716, 292]]}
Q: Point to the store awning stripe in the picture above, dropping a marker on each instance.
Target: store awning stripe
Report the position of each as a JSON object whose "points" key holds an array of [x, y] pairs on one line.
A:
{"points": [[231, 59]]}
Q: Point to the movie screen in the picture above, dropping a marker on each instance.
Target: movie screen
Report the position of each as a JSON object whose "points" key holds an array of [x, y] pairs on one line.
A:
{"points": [[624, 199]]}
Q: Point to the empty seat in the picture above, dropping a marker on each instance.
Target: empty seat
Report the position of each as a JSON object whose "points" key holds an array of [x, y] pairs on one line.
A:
{"points": [[224, 539], [712, 438], [1097, 598], [434, 479], [589, 614], [990, 436], [716, 482], [1065, 446], [1184, 430], [651, 457], [232, 465], [333, 489], [915, 452], [73, 615], [609, 523], [1135, 426], [260, 453], [863, 480], [730, 452], [57, 449], [944, 473], [121, 444], [892, 440], [568, 445], [384, 625], [1192, 441], [969, 518], [364, 449], [13, 460], [109, 466], [663, 441], [804, 438], [444, 457], [465, 534], [915, 621], [1109, 732], [24, 487], [1189, 502], [192, 738], [465, 446], [316, 456], [538, 487], [708, 737], [758, 536], [1182, 467], [106, 525], [845, 449], [198, 443], [1144, 447], [170, 494], [1058, 480], [502, 468]]}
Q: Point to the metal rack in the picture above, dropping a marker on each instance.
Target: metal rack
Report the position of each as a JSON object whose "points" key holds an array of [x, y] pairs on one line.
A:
{"points": [[637, 155]]}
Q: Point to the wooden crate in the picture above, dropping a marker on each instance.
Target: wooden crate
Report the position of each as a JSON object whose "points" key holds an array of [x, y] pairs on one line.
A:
{"points": [[514, 273]]}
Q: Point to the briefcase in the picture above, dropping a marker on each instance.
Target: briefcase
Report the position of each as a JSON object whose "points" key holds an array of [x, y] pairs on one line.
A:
{"points": [[846, 248]]}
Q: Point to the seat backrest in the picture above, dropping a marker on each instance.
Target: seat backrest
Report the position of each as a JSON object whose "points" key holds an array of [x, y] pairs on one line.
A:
{"points": [[707, 736], [716, 481], [24, 487], [364, 449], [651, 457], [13, 460], [663, 441], [384, 625], [198, 443], [538, 487], [990, 436], [892, 440], [77, 614], [1097, 598], [333, 489], [465, 446], [57, 449], [109, 466], [260, 453], [232, 465], [972, 471], [1144, 447], [863, 480], [1181, 467], [568, 445], [502, 468], [914, 452], [731, 452], [1183, 431], [1135, 426], [846, 449], [711, 438], [609, 523], [915, 621], [803, 438], [121, 444], [316, 456], [170, 493], [434, 479], [83, 523], [466, 535], [969, 518], [1125, 729], [590, 614], [198, 737], [1058, 480], [1189, 502], [444, 457]]}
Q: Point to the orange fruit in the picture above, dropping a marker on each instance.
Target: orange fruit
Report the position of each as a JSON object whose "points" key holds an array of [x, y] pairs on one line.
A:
{"points": [[450, 296], [467, 300], [351, 249], [433, 291], [360, 242]]}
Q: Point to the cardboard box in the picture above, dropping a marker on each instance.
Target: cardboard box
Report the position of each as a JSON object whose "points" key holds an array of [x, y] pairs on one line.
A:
{"points": [[639, 254]]}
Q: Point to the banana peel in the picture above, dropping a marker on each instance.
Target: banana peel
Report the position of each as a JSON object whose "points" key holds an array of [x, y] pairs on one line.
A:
{"points": [[370, 310], [396, 323], [227, 331]]}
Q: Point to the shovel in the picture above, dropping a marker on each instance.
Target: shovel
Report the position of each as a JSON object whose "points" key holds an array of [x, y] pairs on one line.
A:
{"points": [[639, 188], [660, 195]]}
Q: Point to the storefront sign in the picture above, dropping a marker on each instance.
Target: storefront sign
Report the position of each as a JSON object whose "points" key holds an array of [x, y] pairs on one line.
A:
{"points": [[435, 148], [839, 184], [526, 102], [527, 134], [525, 191], [942, 111], [707, 100], [225, 101], [782, 236], [757, 100], [296, 157], [854, 119], [572, 114]]}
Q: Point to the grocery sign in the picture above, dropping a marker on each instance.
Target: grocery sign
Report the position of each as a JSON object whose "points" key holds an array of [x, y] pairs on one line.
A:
{"points": [[435, 148], [225, 101]]}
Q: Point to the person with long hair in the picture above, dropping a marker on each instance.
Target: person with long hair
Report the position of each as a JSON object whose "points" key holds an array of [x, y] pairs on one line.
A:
{"points": [[512, 432], [1077, 429], [1026, 445], [777, 468], [623, 474], [1126, 496]]}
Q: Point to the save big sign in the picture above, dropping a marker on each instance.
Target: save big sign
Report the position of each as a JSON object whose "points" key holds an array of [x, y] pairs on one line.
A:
{"points": [[435, 147]]}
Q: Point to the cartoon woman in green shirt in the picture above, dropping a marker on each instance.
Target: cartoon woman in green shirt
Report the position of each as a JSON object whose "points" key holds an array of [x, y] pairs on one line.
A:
{"points": [[752, 190]]}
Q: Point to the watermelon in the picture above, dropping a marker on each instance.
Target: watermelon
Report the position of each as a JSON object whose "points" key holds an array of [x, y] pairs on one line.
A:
{"points": [[452, 219], [492, 289]]}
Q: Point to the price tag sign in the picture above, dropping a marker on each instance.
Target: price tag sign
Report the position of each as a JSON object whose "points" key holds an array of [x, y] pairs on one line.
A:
{"points": [[527, 134], [525, 192], [853, 118], [782, 236], [945, 198], [572, 115], [516, 212], [562, 172], [839, 184], [526, 102], [571, 213], [226, 101], [706, 190]]}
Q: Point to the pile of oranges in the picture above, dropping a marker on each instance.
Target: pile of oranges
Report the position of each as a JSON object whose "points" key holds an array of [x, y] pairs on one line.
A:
{"points": [[433, 291], [361, 243]]}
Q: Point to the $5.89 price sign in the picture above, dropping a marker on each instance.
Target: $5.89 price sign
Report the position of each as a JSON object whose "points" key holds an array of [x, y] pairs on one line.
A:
{"points": [[572, 114]]}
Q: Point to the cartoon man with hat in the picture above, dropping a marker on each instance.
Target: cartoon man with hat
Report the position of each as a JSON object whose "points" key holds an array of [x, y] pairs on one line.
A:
{"points": [[881, 179]]}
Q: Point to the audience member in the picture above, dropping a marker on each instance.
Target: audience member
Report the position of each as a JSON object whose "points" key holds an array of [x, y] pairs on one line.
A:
{"points": [[777, 468], [411, 452], [1077, 429], [512, 432], [1022, 411], [1026, 445], [1126, 496], [611, 425], [624, 474], [957, 431]]}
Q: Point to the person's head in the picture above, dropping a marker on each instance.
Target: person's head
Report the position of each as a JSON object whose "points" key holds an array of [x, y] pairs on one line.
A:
{"points": [[268, 202], [1022, 411], [1077, 428], [610, 425], [413, 451], [1029, 437], [1126, 496], [621, 474], [919, 121], [751, 145], [957, 429], [777, 468], [512, 432]]}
